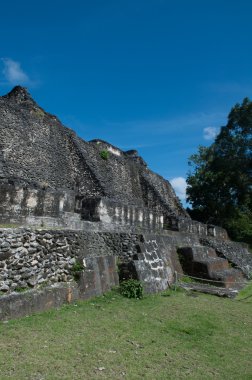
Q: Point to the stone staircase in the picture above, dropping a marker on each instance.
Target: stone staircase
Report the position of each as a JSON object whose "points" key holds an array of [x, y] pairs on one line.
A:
{"points": [[151, 268], [203, 262], [148, 265]]}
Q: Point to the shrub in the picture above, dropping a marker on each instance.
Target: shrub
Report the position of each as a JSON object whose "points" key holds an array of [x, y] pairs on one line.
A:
{"points": [[131, 289], [240, 227], [76, 269], [104, 154]]}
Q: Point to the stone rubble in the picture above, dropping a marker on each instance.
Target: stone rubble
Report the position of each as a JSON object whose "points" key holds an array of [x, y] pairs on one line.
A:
{"points": [[28, 259]]}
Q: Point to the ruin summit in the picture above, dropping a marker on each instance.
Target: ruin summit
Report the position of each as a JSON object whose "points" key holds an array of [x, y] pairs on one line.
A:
{"points": [[68, 201]]}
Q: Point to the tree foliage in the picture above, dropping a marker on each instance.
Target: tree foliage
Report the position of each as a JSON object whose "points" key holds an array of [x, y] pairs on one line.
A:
{"points": [[220, 183]]}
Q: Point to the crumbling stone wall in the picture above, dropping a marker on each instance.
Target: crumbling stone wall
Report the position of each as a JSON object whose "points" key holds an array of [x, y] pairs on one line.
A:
{"points": [[31, 258], [28, 259]]}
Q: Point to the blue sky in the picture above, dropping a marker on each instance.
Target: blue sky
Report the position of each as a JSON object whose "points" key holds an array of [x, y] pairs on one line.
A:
{"points": [[159, 76]]}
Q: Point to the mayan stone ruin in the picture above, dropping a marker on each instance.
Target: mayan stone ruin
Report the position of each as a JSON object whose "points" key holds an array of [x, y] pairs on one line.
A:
{"points": [[78, 217]]}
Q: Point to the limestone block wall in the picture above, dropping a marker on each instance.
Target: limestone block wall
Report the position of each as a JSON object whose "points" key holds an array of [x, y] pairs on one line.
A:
{"points": [[190, 226], [110, 212], [20, 304], [30, 258], [99, 275], [18, 201], [154, 268]]}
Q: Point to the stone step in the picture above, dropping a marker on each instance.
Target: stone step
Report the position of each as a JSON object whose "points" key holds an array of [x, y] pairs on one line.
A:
{"points": [[230, 278], [196, 253], [200, 252], [208, 289], [203, 262], [210, 265]]}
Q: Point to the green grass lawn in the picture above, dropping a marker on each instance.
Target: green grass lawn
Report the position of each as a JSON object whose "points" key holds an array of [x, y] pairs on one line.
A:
{"points": [[174, 335]]}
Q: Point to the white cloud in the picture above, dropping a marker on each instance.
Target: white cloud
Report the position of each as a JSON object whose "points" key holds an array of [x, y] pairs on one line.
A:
{"points": [[179, 184], [194, 121], [210, 133], [13, 73]]}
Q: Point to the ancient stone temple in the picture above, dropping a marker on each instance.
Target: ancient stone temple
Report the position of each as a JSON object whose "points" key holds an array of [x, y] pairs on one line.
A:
{"points": [[71, 204]]}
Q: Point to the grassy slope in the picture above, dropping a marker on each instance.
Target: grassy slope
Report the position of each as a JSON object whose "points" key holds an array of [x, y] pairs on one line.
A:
{"points": [[169, 336]]}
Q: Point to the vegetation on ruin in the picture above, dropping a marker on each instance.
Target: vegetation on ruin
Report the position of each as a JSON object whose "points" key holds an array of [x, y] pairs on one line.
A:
{"points": [[172, 335], [77, 267], [220, 183], [76, 270], [131, 289], [104, 154], [8, 225]]}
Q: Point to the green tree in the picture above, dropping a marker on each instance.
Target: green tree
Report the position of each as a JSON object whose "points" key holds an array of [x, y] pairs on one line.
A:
{"points": [[220, 182]]}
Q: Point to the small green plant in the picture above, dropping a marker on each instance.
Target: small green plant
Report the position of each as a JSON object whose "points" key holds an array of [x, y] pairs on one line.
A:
{"points": [[174, 288], [39, 112], [186, 279], [21, 290], [104, 154], [76, 269], [9, 225], [118, 264], [131, 289], [166, 226]]}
